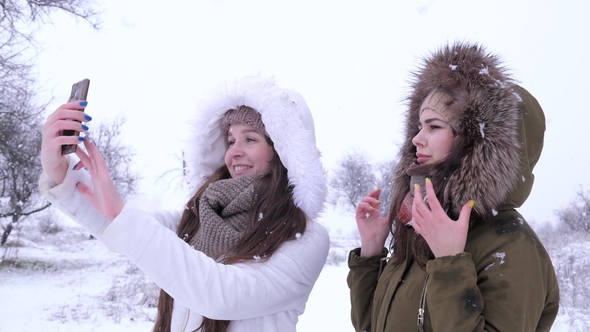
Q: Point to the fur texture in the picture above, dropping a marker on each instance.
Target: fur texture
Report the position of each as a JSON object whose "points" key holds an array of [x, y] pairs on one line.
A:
{"points": [[288, 122], [489, 120]]}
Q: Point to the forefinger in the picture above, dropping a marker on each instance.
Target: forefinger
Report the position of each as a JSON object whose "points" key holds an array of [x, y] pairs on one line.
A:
{"points": [[96, 158], [375, 193], [69, 111]]}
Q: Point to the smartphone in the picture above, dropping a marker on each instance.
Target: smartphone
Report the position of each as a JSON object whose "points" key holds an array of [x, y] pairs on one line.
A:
{"points": [[79, 92]]}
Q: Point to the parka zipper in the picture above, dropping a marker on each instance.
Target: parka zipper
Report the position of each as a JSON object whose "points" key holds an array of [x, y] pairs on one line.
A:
{"points": [[420, 322]]}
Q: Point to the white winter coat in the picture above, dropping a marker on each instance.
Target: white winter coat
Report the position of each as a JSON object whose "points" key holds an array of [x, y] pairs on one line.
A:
{"points": [[255, 296]]}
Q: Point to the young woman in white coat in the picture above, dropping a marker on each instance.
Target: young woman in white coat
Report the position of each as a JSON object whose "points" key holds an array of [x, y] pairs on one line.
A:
{"points": [[244, 252]]}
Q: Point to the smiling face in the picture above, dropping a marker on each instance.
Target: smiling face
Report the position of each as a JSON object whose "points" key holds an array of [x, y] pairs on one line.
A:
{"points": [[248, 151], [435, 138]]}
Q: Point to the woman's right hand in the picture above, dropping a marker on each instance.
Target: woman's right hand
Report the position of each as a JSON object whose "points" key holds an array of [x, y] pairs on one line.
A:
{"points": [[52, 161], [373, 228]]}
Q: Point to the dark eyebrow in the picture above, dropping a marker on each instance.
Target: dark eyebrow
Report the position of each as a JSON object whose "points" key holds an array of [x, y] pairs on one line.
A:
{"points": [[427, 121]]}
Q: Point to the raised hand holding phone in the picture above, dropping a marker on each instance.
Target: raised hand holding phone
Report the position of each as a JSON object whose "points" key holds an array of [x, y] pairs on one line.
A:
{"points": [[79, 92], [58, 132]]}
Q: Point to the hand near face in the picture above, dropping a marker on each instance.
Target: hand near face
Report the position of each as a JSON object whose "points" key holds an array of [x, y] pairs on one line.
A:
{"points": [[445, 236], [104, 197], [373, 228]]}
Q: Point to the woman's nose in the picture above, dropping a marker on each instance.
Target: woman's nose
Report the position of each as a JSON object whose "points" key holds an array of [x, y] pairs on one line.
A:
{"points": [[235, 150], [418, 140]]}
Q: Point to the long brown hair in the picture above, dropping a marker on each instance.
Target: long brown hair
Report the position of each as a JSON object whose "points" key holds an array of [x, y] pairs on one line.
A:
{"points": [[274, 212], [441, 174]]}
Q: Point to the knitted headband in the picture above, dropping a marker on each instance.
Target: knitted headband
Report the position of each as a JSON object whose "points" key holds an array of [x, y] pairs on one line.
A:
{"points": [[442, 103], [245, 115]]}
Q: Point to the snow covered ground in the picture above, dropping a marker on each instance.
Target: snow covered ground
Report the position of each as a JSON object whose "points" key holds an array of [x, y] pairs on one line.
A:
{"points": [[66, 282]]}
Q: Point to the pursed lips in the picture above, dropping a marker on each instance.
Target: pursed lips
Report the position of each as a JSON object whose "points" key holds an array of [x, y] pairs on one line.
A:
{"points": [[421, 157]]}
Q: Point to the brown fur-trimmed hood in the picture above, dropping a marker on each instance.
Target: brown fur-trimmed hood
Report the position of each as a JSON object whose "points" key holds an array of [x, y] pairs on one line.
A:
{"points": [[489, 121]]}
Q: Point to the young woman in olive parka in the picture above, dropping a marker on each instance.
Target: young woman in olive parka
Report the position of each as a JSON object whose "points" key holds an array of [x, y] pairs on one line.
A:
{"points": [[462, 258]]}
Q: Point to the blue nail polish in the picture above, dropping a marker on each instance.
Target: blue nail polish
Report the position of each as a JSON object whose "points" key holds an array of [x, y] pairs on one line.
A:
{"points": [[81, 138], [87, 117], [84, 127], [83, 103], [73, 169]]}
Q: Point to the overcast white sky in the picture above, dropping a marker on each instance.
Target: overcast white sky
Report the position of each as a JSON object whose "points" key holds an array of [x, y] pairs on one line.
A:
{"points": [[350, 59]]}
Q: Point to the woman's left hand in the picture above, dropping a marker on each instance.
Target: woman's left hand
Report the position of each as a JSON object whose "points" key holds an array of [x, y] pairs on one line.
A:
{"points": [[445, 236], [104, 196]]}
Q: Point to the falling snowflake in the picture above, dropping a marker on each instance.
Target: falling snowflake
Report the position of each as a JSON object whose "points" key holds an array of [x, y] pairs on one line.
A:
{"points": [[494, 212], [523, 178], [257, 258], [298, 235], [260, 216], [453, 67]]}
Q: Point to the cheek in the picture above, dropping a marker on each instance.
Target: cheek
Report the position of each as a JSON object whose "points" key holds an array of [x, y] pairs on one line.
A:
{"points": [[227, 158], [267, 157], [446, 144]]}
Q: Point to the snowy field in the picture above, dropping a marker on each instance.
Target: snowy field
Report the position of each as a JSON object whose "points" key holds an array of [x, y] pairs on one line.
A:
{"points": [[57, 279]]}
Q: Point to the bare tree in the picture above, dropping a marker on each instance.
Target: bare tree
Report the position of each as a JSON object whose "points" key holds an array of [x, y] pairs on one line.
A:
{"points": [[118, 156], [385, 181], [20, 112], [352, 180], [355, 176], [19, 20], [577, 214], [20, 167]]}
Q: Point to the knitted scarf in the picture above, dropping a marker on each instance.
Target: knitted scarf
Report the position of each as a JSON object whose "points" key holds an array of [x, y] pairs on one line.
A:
{"points": [[224, 208]]}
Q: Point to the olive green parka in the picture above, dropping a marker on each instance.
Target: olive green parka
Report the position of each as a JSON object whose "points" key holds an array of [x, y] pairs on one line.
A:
{"points": [[503, 281]]}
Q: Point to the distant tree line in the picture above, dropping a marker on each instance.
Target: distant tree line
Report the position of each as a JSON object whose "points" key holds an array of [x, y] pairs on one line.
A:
{"points": [[355, 176]]}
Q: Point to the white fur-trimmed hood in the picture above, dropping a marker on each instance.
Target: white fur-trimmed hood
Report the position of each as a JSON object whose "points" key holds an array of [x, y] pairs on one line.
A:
{"points": [[288, 122]]}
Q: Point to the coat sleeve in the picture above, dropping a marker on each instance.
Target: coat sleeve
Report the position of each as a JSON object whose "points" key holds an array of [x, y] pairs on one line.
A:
{"points": [[214, 290], [362, 281], [66, 198], [229, 292], [510, 287]]}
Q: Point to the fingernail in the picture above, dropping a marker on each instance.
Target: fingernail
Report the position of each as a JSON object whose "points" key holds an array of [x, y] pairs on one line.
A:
{"points": [[75, 166], [87, 117], [81, 138], [378, 201], [471, 203], [415, 186], [83, 103], [427, 180], [84, 127], [371, 207]]}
